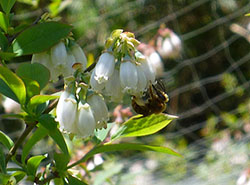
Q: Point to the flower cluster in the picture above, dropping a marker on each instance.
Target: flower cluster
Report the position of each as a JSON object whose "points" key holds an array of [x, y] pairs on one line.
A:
{"points": [[60, 59], [168, 44], [121, 68], [81, 116]]}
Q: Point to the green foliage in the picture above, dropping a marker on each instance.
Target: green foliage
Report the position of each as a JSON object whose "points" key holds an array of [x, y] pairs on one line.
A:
{"points": [[128, 146], [75, 181], [48, 122], [5, 140], [39, 134], [39, 38], [39, 99], [33, 164], [2, 161], [14, 83], [142, 126], [61, 161], [3, 42], [7, 5], [36, 72], [4, 23]]}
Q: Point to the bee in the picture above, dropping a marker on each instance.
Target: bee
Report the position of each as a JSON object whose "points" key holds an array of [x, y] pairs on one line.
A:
{"points": [[153, 100]]}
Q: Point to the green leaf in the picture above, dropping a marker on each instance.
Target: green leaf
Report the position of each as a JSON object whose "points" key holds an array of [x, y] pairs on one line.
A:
{"points": [[75, 181], [39, 134], [2, 161], [7, 5], [3, 42], [6, 91], [4, 23], [14, 83], [33, 164], [36, 71], [125, 147], [40, 99], [40, 38], [32, 88], [142, 126], [61, 161], [48, 122], [102, 134], [6, 140], [7, 55], [19, 175]]}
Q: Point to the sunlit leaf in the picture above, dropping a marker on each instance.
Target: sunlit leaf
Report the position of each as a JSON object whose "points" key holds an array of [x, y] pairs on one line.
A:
{"points": [[33, 164], [142, 126], [40, 37], [40, 99], [36, 72], [4, 24], [75, 181], [5, 140], [61, 161], [14, 83]]}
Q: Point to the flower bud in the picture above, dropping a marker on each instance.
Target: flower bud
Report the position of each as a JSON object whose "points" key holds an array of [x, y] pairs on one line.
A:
{"points": [[128, 77], [99, 109], [59, 54], [85, 121], [104, 67], [79, 55], [66, 112]]}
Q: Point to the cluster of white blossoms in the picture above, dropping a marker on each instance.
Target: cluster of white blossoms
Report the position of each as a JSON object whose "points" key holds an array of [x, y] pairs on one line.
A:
{"points": [[121, 68], [60, 59], [81, 116], [168, 44]]}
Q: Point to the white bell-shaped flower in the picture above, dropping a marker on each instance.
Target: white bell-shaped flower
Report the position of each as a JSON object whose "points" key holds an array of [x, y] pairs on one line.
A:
{"points": [[42, 58], [59, 54], [169, 47], [113, 87], [66, 112], [156, 62], [85, 121], [67, 69], [104, 67], [142, 81], [148, 70], [99, 109], [128, 77], [79, 55], [94, 83]]}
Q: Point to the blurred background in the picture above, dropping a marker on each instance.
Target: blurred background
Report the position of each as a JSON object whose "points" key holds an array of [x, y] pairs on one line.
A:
{"points": [[207, 79]]}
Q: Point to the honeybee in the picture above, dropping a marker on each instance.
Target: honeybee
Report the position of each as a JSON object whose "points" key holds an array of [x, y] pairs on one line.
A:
{"points": [[153, 100]]}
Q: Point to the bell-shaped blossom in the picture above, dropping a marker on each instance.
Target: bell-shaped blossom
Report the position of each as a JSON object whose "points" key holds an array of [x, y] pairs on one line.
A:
{"points": [[67, 69], [59, 54], [99, 109], [156, 63], [142, 81], [148, 70], [170, 46], [113, 87], [42, 58], [66, 112], [128, 77], [94, 83], [104, 67], [85, 120], [79, 55]]}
